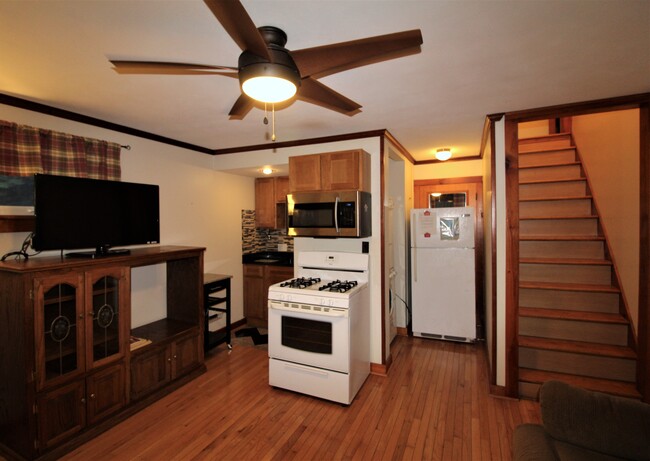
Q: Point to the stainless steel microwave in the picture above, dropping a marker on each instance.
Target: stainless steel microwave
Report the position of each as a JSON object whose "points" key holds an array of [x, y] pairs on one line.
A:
{"points": [[329, 214]]}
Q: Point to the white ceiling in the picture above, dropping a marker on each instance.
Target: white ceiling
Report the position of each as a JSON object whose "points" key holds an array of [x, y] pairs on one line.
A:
{"points": [[478, 58]]}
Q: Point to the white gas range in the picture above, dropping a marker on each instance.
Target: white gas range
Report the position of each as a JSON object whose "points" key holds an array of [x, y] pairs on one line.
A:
{"points": [[319, 326]]}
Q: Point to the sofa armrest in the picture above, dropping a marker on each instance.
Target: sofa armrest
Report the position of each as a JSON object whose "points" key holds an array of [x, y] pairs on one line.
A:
{"points": [[611, 425], [530, 442]]}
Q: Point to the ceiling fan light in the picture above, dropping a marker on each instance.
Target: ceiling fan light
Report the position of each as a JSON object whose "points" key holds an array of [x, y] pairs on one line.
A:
{"points": [[269, 89], [443, 154]]}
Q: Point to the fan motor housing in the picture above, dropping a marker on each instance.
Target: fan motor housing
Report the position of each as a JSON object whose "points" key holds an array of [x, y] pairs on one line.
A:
{"points": [[282, 64]]}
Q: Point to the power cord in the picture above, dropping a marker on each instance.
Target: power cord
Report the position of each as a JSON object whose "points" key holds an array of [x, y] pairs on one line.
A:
{"points": [[23, 249]]}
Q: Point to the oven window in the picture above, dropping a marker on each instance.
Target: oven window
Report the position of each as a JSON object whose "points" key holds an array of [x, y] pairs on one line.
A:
{"points": [[307, 335]]}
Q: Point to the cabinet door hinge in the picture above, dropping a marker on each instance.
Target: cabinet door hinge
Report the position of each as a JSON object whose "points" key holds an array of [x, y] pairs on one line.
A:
{"points": [[31, 295], [35, 409]]}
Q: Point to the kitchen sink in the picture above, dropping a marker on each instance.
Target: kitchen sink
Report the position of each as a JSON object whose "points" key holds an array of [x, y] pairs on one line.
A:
{"points": [[278, 258]]}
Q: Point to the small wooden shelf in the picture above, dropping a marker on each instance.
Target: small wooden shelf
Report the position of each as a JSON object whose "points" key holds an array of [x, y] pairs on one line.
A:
{"points": [[213, 284]]}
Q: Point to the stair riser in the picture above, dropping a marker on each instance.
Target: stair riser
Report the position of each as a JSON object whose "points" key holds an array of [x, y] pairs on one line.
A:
{"points": [[595, 332], [548, 158], [587, 226], [577, 207], [555, 142], [561, 249], [549, 173], [529, 391], [565, 273], [578, 364], [553, 190], [570, 300]]}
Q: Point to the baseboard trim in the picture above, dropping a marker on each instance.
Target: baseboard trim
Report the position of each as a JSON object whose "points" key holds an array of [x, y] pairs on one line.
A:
{"points": [[402, 331]]}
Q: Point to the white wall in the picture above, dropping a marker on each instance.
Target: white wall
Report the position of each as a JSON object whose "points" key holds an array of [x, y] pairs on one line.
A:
{"points": [[198, 206], [280, 157], [500, 193]]}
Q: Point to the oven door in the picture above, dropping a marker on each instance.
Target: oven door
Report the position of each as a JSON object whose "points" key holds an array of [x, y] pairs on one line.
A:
{"points": [[310, 335]]}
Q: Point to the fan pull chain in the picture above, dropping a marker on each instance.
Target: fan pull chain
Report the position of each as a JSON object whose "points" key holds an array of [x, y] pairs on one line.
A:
{"points": [[266, 120], [273, 122]]}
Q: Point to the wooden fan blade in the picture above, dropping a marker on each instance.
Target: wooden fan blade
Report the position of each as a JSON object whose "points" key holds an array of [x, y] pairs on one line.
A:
{"points": [[315, 92], [328, 59], [236, 21], [241, 108], [171, 68]]}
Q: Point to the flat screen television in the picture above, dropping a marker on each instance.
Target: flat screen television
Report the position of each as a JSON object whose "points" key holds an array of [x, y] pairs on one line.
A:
{"points": [[75, 213]]}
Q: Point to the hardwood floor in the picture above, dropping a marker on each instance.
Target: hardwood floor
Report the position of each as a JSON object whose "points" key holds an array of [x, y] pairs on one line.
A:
{"points": [[434, 404]]}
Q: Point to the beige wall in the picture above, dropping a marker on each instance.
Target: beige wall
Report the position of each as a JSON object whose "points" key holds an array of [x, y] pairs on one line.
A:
{"points": [[449, 169], [198, 206], [609, 146], [487, 246], [532, 129]]}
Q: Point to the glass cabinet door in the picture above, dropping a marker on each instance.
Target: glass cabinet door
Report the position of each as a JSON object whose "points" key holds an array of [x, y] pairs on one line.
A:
{"points": [[105, 319], [59, 325]]}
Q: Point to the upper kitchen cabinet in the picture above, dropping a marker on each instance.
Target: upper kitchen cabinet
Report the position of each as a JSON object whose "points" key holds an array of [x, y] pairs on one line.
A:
{"points": [[270, 202], [344, 170]]}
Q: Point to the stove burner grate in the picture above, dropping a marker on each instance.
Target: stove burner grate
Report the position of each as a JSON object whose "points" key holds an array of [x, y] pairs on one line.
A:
{"points": [[339, 286], [301, 282]]}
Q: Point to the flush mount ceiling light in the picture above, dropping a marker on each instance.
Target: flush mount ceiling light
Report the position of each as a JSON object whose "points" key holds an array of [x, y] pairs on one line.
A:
{"points": [[267, 170], [443, 154]]}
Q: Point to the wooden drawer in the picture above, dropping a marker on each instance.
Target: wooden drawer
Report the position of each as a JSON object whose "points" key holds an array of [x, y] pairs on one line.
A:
{"points": [[253, 270]]}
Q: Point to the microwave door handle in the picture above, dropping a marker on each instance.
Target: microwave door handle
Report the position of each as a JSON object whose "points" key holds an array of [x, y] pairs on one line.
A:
{"points": [[336, 214]]}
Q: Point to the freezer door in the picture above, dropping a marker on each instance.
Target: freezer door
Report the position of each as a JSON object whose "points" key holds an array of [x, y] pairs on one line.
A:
{"points": [[442, 227], [443, 293]]}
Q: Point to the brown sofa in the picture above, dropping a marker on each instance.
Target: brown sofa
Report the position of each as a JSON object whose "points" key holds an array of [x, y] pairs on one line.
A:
{"points": [[584, 426]]}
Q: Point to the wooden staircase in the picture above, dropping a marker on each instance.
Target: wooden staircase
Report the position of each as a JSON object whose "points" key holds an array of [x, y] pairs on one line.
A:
{"points": [[573, 324]]}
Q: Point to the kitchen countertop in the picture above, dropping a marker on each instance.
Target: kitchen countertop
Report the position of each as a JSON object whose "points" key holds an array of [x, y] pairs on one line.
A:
{"points": [[269, 258]]}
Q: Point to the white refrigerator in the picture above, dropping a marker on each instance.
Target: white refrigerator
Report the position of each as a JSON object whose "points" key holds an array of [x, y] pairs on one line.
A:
{"points": [[443, 298]]}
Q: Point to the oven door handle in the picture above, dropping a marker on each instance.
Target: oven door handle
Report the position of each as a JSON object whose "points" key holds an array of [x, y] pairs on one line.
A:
{"points": [[333, 312]]}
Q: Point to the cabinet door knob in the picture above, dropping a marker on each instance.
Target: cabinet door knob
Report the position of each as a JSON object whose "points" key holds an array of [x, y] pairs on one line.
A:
{"points": [[169, 359], [81, 316], [92, 396], [175, 356], [83, 400]]}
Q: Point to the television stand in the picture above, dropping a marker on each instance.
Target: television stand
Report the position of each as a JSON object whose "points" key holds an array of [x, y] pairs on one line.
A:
{"points": [[67, 365], [99, 253]]}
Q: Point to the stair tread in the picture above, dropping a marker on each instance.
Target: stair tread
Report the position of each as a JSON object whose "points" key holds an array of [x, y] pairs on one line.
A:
{"points": [[555, 199], [559, 238], [569, 261], [545, 136], [563, 314], [580, 347], [570, 287], [549, 149], [620, 388], [549, 181], [522, 167], [537, 218]]}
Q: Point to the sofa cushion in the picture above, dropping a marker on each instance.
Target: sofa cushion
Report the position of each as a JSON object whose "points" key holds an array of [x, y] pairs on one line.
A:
{"points": [[610, 425], [530, 442]]}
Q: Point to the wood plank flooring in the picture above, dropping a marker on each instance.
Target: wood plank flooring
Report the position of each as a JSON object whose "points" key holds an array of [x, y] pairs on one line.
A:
{"points": [[434, 404]]}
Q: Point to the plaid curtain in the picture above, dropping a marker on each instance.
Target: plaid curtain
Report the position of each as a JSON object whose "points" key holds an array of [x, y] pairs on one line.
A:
{"points": [[25, 150]]}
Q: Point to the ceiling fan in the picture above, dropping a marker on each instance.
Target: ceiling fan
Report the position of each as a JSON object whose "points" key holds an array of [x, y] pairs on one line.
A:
{"points": [[264, 58]]}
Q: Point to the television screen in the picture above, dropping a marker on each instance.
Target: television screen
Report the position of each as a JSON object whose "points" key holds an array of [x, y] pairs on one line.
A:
{"points": [[74, 213]]}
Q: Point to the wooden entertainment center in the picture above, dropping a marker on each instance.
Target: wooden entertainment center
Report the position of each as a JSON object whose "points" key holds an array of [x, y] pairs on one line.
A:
{"points": [[71, 366]]}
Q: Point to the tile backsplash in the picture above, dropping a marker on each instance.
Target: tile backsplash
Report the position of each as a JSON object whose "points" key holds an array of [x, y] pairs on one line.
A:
{"points": [[254, 240]]}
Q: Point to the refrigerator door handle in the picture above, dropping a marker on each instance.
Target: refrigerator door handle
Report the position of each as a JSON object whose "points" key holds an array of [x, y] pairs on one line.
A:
{"points": [[415, 265], [414, 226]]}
